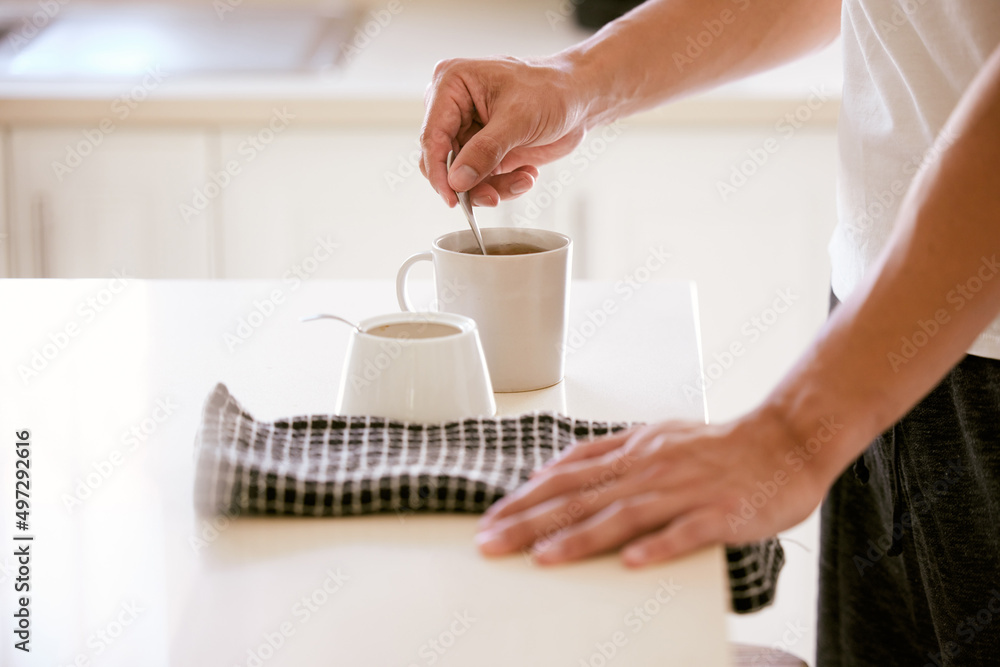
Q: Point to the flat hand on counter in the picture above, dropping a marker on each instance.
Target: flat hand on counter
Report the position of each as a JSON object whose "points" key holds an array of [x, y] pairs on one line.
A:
{"points": [[660, 491]]}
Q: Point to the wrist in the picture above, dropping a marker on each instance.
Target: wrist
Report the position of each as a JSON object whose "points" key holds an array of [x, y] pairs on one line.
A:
{"points": [[817, 442], [592, 79]]}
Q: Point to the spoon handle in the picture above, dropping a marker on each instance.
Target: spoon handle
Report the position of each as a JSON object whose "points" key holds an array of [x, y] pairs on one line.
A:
{"points": [[463, 197], [466, 204], [324, 316]]}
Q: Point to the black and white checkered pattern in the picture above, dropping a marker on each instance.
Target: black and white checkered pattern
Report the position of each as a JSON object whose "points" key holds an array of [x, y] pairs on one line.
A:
{"points": [[348, 466]]}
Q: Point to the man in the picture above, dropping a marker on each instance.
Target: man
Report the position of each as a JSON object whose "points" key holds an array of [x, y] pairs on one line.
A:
{"points": [[904, 379]]}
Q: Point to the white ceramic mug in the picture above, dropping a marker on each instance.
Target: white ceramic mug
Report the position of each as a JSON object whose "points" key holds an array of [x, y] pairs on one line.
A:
{"points": [[420, 367], [520, 302]]}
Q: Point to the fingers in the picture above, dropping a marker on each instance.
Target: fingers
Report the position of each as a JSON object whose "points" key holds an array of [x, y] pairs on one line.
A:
{"points": [[587, 465], [589, 449], [483, 153], [681, 480], [500, 115], [555, 516], [687, 533], [617, 523], [534, 491], [535, 525], [559, 534], [582, 478], [443, 121], [491, 190]]}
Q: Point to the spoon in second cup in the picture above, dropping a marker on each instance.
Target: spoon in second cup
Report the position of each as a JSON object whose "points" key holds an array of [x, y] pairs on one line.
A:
{"points": [[325, 316], [463, 200]]}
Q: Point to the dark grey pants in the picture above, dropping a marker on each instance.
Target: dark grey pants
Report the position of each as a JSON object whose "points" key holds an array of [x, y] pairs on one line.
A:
{"points": [[910, 536]]}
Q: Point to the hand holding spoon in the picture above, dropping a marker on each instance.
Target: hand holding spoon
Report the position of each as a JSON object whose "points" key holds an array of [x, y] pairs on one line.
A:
{"points": [[463, 200]]}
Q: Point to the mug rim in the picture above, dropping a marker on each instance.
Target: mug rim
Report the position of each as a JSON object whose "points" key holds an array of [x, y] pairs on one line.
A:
{"points": [[465, 325], [566, 242]]}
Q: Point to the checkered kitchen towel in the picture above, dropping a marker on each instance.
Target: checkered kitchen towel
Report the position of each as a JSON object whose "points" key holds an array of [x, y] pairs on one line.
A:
{"points": [[346, 466]]}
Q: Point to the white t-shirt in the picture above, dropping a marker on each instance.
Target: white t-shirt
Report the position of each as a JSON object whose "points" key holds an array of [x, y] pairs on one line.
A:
{"points": [[906, 64]]}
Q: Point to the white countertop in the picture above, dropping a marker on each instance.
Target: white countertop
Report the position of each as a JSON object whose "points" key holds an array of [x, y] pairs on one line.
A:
{"points": [[116, 580], [385, 82]]}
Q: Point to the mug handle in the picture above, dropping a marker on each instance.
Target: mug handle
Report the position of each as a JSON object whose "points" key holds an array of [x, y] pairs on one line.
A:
{"points": [[404, 270]]}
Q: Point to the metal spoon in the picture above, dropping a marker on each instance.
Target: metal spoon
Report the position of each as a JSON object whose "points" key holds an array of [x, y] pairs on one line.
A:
{"points": [[463, 199], [324, 316]]}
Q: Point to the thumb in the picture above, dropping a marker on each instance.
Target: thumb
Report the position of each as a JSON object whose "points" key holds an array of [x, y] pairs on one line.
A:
{"points": [[482, 155]]}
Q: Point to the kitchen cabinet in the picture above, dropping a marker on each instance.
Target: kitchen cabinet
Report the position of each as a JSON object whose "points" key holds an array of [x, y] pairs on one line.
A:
{"points": [[351, 202], [87, 201], [655, 187], [633, 194], [329, 203], [316, 202], [646, 204], [325, 203]]}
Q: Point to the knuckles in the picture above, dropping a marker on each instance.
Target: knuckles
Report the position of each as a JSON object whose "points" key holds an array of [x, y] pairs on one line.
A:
{"points": [[442, 66], [625, 514]]}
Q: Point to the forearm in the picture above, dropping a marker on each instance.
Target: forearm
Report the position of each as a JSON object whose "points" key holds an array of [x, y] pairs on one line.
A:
{"points": [[665, 49], [914, 316]]}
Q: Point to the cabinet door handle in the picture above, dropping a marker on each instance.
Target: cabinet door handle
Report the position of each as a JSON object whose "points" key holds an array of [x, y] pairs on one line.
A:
{"points": [[41, 251]]}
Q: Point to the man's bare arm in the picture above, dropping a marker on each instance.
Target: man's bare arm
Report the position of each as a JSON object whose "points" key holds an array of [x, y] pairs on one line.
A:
{"points": [[509, 116], [666, 49], [935, 287], [946, 241]]}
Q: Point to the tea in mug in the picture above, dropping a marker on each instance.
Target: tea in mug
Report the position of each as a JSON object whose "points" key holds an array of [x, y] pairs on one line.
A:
{"points": [[511, 248]]}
